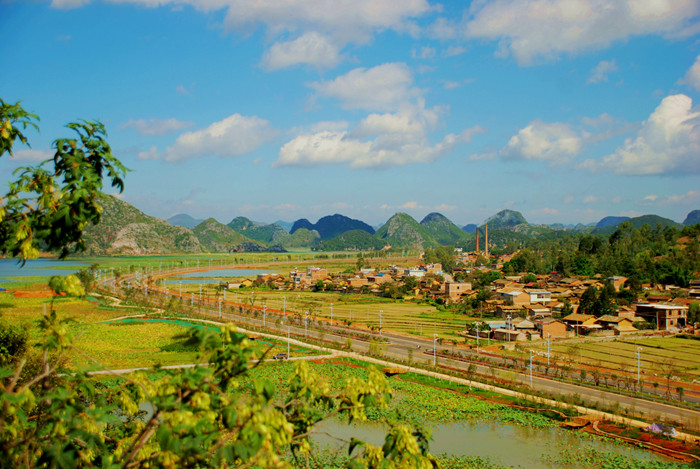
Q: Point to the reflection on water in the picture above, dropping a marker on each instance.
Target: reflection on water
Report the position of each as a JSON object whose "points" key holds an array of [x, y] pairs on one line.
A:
{"points": [[11, 269], [510, 445]]}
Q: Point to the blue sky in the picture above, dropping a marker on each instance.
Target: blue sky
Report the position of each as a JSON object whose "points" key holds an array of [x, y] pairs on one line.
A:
{"points": [[565, 110]]}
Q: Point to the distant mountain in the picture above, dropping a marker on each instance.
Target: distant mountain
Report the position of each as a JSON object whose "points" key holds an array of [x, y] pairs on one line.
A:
{"points": [[301, 223], [441, 229], [402, 231], [693, 218], [638, 222], [124, 229], [331, 226], [505, 219], [182, 219], [217, 237], [267, 234], [610, 221], [470, 228], [287, 225], [353, 239]]}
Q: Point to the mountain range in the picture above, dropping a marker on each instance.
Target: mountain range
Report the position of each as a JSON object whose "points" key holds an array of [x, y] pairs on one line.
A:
{"points": [[126, 230]]}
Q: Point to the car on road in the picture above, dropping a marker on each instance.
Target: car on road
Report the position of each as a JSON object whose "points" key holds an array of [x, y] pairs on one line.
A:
{"points": [[280, 356]]}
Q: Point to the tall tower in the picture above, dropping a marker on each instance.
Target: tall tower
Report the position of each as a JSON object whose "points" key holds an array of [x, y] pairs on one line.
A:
{"points": [[486, 242], [477, 239]]}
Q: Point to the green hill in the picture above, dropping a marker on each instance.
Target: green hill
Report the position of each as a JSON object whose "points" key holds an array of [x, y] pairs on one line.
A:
{"points": [[124, 229], [358, 240], [266, 234], [217, 237], [638, 222], [505, 219], [402, 231], [442, 230]]}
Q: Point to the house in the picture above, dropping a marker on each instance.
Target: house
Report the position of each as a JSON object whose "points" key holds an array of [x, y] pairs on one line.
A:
{"points": [[514, 297], [509, 335], [539, 296], [551, 328], [538, 311], [618, 324], [694, 291], [505, 310], [414, 272], [617, 282], [316, 273], [666, 316], [357, 282], [455, 290], [582, 322], [523, 324]]}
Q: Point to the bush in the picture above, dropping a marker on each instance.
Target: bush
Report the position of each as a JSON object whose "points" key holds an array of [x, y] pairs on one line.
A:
{"points": [[13, 343]]}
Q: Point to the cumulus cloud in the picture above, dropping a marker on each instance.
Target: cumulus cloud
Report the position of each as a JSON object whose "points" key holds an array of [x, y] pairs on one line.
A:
{"points": [[31, 156], [553, 142], [311, 48], [601, 71], [667, 143], [340, 21], [233, 136], [156, 127], [378, 141], [423, 53], [692, 77], [384, 87], [530, 29], [68, 4]]}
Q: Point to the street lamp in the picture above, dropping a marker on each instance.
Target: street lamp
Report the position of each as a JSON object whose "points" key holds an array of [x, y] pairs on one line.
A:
{"points": [[264, 315], [380, 321], [477, 338], [530, 368], [306, 323], [639, 359], [434, 350], [331, 314]]}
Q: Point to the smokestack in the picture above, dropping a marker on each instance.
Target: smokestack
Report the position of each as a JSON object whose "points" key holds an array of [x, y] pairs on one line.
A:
{"points": [[477, 239], [486, 241]]}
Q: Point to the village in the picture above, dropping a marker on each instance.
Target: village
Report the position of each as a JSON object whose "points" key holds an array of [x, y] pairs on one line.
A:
{"points": [[513, 308]]}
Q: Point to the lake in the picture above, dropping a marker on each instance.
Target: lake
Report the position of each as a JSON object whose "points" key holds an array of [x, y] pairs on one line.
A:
{"points": [[11, 269]]}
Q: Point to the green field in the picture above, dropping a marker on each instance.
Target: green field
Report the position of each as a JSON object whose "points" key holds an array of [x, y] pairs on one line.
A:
{"points": [[658, 356]]}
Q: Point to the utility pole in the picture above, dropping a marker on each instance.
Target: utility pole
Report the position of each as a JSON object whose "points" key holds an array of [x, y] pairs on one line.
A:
{"points": [[331, 314], [548, 334], [380, 322], [477, 338], [530, 368], [306, 323], [264, 315]]}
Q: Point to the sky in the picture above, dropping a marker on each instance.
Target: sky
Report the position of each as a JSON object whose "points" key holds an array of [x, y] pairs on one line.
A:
{"points": [[565, 110]]}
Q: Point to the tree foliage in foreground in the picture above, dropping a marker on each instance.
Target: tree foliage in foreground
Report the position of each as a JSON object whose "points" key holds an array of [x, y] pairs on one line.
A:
{"points": [[202, 416], [48, 206]]}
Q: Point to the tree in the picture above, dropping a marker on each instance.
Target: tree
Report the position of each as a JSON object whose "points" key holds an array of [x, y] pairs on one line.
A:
{"points": [[49, 205], [605, 304], [587, 304]]}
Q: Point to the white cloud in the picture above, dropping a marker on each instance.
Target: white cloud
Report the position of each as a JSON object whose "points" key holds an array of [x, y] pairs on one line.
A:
{"points": [[155, 127], [68, 4], [379, 141], [452, 51], [311, 48], [384, 87], [667, 143], [423, 53], [409, 206], [530, 29], [601, 71], [650, 198], [342, 21], [31, 156], [150, 154], [590, 199], [692, 77], [445, 208], [233, 136], [553, 142]]}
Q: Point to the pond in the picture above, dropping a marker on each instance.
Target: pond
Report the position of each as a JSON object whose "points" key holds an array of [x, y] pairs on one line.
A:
{"points": [[509, 445], [11, 269]]}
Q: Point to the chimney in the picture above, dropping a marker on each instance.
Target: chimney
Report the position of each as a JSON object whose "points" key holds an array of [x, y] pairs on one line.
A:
{"points": [[486, 241], [477, 239]]}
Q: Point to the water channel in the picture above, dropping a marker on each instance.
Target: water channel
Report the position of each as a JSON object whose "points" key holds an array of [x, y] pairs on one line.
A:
{"points": [[12, 269], [509, 445], [213, 276]]}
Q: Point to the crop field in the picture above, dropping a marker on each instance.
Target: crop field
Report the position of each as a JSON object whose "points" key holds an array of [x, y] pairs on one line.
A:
{"points": [[406, 317], [658, 356]]}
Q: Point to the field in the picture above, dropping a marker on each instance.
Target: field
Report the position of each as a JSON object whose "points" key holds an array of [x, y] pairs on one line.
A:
{"points": [[677, 356]]}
